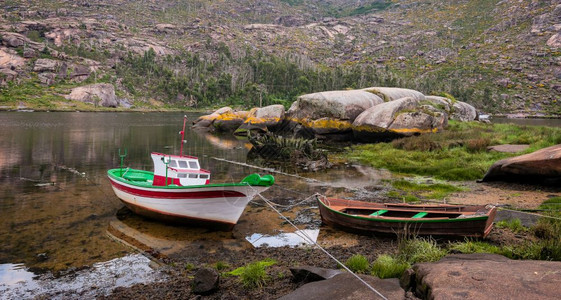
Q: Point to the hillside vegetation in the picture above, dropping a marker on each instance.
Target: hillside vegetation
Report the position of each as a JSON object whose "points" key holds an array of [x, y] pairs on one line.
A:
{"points": [[500, 56]]}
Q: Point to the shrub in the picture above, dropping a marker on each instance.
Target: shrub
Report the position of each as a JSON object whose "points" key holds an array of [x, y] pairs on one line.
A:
{"points": [[478, 145], [386, 266], [357, 263]]}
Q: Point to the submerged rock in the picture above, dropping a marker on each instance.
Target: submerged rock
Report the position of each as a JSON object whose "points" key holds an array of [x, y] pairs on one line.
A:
{"points": [[543, 165], [484, 276]]}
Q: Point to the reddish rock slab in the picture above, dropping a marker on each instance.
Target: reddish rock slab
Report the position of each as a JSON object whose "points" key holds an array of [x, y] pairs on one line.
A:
{"points": [[507, 148], [346, 286], [485, 276], [543, 165]]}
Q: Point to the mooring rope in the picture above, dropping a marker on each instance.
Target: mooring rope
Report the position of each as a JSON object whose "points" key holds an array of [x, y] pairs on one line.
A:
{"points": [[311, 241], [266, 169], [529, 213]]}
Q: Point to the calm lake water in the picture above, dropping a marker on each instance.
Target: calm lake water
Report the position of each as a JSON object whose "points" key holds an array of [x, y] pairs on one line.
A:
{"points": [[529, 122], [58, 211]]}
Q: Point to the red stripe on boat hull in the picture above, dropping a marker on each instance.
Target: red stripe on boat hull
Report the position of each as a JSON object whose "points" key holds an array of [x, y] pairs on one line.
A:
{"points": [[178, 195]]}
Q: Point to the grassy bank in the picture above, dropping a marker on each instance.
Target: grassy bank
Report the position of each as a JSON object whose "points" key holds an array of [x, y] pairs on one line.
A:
{"points": [[459, 153], [542, 241]]}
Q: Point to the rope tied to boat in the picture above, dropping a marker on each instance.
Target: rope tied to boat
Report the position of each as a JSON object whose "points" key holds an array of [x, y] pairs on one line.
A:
{"points": [[311, 241]]}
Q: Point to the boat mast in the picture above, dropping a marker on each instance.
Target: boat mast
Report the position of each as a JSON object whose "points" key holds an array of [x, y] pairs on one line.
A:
{"points": [[182, 132]]}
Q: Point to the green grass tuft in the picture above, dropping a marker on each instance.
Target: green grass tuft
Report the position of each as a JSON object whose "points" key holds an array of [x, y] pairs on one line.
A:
{"points": [[415, 250], [386, 266], [472, 246], [253, 275], [357, 263]]}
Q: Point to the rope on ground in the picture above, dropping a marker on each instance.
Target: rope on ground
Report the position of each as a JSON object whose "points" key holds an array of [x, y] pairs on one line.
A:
{"points": [[265, 169], [529, 213], [311, 241], [501, 208]]}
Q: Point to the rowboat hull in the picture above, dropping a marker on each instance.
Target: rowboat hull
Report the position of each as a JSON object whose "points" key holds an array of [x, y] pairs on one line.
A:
{"points": [[217, 206], [353, 215]]}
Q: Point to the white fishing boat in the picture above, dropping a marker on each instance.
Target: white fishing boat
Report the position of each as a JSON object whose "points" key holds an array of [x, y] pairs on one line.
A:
{"points": [[180, 191]]}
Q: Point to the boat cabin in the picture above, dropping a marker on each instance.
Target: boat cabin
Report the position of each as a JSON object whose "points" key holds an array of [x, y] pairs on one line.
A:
{"points": [[181, 170]]}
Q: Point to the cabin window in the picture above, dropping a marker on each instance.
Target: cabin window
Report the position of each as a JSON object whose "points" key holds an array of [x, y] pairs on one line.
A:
{"points": [[192, 175], [173, 163], [182, 164], [193, 165], [182, 175], [203, 176]]}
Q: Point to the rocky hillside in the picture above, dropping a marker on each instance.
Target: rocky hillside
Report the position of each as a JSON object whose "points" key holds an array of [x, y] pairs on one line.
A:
{"points": [[500, 56]]}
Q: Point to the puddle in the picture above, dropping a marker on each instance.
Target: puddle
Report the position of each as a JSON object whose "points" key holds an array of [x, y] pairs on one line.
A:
{"points": [[299, 238], [18, 283]]}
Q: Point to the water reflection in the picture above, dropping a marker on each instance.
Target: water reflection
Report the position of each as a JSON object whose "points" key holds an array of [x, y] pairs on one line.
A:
{"points": [[18, 283], [299, 238], [56, 202]]}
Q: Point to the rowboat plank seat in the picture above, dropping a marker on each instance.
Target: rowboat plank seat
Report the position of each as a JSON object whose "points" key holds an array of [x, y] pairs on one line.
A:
{"points": [[420, 215], [379, 213]]}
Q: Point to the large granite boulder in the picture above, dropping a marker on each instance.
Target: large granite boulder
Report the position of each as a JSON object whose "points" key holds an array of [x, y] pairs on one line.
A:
{"points": [[462, 111], [543, 166], [346, 286], [456, 110], [484, 276], [205, 122], [342, 105], [230, 121], [330, 113], [102, 94], [391, 93], [399, 118], [439, 102], [262, 119]]}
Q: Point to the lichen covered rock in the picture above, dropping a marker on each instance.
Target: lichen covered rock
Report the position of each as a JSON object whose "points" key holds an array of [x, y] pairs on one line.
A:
{"points": [[392, 93], [399, 118]]}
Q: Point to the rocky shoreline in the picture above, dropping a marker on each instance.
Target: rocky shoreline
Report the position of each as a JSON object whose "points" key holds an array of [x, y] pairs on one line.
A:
{"points": [[183, 267]]}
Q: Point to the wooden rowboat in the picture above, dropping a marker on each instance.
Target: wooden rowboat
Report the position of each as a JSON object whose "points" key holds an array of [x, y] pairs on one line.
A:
{"points": [[438, 220]]}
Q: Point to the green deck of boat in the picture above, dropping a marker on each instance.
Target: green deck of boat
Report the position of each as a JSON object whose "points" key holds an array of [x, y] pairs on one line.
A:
{"points": [[143, 178]]}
